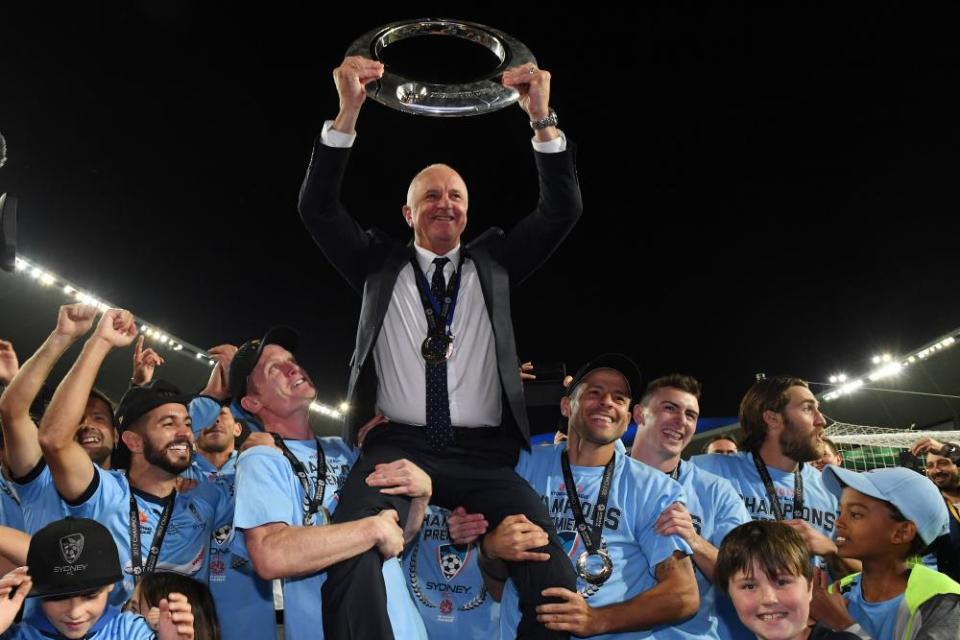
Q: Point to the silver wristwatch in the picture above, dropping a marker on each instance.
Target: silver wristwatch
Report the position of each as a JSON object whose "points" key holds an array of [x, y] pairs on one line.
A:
{"points": [[549, 121]]}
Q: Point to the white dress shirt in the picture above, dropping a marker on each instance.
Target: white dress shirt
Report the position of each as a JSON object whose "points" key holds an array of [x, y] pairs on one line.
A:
{"points": [[473, 383]]}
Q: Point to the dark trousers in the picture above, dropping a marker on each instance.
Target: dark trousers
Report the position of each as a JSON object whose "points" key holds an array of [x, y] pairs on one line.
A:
{"points": [[477, 473]]}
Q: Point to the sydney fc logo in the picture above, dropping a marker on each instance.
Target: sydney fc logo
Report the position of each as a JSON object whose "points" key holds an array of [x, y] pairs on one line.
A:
{"points": [[452, 559], [71, 547], [222, 534]]}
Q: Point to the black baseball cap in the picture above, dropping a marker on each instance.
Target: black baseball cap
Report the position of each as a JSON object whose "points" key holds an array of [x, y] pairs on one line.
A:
{"points": [[619, 363], [72, 556], [248, 355], [139, 401]]}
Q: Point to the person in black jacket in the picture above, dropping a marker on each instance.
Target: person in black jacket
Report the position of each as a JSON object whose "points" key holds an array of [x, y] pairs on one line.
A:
{"points": [[435, 355]]}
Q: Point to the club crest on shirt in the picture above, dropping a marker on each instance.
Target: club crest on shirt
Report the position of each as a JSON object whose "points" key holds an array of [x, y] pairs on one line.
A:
{"points": [[222, 534], [452, 559]]}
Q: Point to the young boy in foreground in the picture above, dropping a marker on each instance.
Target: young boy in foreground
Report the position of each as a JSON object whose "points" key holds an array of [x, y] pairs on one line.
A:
{"points": [[72, 565], [764, 566]]}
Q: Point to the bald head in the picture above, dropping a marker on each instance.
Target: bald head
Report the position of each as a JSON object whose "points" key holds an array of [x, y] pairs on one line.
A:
{"points": [[425, 175]]}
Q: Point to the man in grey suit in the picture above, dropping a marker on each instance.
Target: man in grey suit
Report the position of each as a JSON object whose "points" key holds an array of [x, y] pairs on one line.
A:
{"points": [[435, 354]]}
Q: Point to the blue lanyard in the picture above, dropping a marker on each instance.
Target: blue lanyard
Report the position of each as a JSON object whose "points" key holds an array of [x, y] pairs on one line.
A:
{"points": [[445, 311]]}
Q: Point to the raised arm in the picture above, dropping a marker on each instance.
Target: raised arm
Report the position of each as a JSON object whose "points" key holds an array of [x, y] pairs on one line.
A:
{"points": [[531, 241], [19, 431], [70, 465]]}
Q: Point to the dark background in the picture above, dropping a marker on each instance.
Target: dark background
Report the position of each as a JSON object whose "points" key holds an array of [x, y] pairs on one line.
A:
{"points": [[767, 189]]}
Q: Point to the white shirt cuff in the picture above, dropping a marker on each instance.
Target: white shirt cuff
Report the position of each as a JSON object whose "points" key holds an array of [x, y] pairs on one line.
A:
{"points": [[333, 138], [556, 145]]}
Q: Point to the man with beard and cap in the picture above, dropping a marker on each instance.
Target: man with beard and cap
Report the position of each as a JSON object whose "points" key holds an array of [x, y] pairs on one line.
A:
{"points": [[631, 578], [234, 584], [287, 492], [96, 433], [155, 527], [943, 471], [666, 418], [782, 426]]}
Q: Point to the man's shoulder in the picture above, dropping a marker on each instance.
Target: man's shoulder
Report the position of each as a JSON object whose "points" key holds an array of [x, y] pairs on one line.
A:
{"points": [[723, 465], [211, 493], [112, 478], [260, 456], [335, 446], [641, 476], [702, 480], [485, 239], [542, 453], [535, 464]]}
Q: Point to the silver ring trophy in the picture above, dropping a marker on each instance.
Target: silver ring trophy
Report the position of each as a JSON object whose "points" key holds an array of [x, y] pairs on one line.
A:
{"points": [[410, 95]]}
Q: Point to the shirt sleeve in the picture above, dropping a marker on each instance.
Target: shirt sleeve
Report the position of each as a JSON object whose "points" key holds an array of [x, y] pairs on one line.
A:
{"points": [[264, 489], [109, 492], [657, 547], [556, 145], [337, 139], [730, 511]]}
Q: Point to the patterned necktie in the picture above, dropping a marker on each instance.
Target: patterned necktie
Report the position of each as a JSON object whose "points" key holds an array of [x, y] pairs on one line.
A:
{"points": [[439, 429]]}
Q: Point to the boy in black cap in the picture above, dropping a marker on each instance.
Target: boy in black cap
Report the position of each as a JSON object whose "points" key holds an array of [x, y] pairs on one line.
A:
{"points": [[887, 518], [72, 565]]}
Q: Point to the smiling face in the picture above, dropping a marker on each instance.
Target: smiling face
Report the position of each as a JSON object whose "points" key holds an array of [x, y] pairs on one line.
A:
{"points": [[436, 208], [943, 472], [96, 433], [599, 408], [666, 422], [773, 607], [164, 437], [278, 386]]}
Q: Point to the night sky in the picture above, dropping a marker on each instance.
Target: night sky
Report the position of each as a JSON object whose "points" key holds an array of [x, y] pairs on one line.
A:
{"points": [[766, 190]]}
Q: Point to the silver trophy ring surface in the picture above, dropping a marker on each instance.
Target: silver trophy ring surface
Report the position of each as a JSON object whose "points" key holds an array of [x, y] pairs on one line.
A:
{"points": [[443, 100], [599, 577]]}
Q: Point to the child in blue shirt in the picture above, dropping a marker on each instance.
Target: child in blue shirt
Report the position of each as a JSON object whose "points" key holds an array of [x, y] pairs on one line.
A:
{"points": [[887, 519], [764, 566], [72, 565]]}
